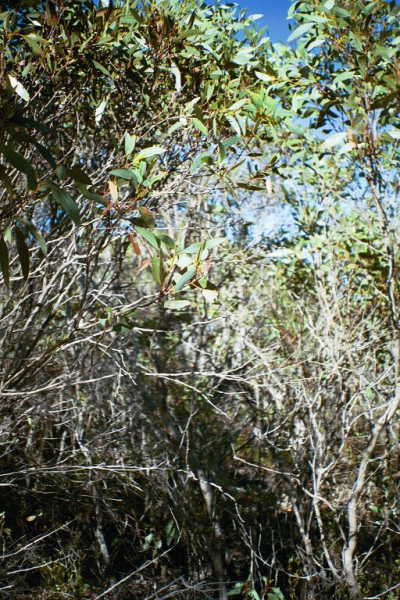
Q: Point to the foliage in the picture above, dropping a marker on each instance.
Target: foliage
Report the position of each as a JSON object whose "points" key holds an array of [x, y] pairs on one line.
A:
{"points": [[187, 409], [102, 109]]}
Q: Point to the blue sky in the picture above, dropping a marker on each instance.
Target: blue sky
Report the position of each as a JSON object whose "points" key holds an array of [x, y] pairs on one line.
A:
{"points": [[275, 13]]}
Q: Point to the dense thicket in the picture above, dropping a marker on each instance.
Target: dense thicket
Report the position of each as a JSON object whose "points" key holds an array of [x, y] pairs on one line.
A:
{"points": [[199, 312]]}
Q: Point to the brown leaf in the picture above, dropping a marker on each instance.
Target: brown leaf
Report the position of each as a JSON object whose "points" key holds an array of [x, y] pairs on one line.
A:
{"points": [[134, 244], [146, 263]]}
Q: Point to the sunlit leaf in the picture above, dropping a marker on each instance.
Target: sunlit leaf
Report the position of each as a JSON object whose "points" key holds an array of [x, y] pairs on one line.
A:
{"points": [[19, 88], [124, 174], [130, 142], [239, 104], [185, 278], [148, 236], [334, 140], [98, 113], [394, 133], [149, 153], [156, 269], [36, 42], [176, 304], [200, 126], [215, 242], [243, 57], [193, 248], [299, 31]]}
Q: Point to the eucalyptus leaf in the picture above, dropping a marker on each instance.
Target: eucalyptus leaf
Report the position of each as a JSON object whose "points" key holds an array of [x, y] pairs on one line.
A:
{"points": [[300, 31], [185, 279], [149, 153], [334, 140], [19, 88], [130, 142], [20, 163], [200, 126], [66, 202], [148, 236], [127, 174], [176, 304]]}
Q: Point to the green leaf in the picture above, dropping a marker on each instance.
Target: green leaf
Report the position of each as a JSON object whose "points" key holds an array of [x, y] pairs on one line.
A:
{"points": [[23, 252], [394, 133], [250, 187], [276, 594], [178, 125], [98, 113], [35, 42], [19, 88], [185, 278], [6, 179], [234, 124], [237, 589], [156, 269], [237, 105], [243, 57], [202, 159], [20, 163], [176, 304], [124, 174], [148, 236], [334, 140], [203, 281], [215, 242], [264, 76], [149, 152], [66, 202], [36, 234], [130, 142], [166, 240], [90, 195], [193, 248], [78, 175], [47, 155], [4, 261], [341, 12], [32, 124], [299, 31], [255, 17], [100, 67], [346, 75], [200, 126], [209, 295]]}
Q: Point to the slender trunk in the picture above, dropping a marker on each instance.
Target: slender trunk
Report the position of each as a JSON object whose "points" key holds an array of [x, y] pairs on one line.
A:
{"points": [[216, 550], [359, 484]]}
